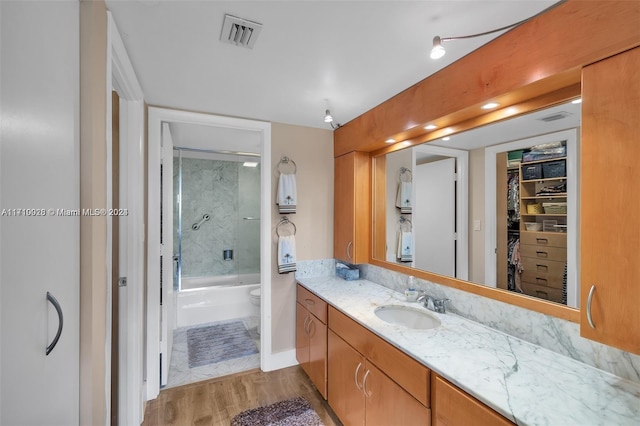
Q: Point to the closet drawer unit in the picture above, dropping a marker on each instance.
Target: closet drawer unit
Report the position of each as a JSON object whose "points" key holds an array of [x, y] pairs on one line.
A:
{"points": [[313, 303], [543, 272], [547, 239], [542, 292], [558, 254]]}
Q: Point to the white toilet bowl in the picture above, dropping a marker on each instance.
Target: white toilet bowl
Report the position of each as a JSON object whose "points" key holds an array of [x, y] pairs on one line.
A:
{"points": [[254, 296]]}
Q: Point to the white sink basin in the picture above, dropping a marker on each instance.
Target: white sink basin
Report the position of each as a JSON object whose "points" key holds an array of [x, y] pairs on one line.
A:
{"points": [[406, 316]]}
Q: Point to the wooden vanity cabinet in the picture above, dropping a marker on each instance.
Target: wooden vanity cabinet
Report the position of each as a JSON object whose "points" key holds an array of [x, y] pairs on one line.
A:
{"points": [[311, 337], [352, 207], [370, 381], [610, 202], [453, 407]]}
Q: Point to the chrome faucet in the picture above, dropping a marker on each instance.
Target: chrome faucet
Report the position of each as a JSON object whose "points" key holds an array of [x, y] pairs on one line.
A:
{"points": [[433, 304]]}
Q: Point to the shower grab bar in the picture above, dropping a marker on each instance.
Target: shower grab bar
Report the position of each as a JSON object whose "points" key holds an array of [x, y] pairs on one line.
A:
{"points": [[197, 225], [251, 218], [56, 305]]}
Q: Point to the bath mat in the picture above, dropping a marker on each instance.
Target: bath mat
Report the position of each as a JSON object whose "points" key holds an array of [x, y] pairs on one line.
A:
{"points": [[291, 412], [219, 342]]}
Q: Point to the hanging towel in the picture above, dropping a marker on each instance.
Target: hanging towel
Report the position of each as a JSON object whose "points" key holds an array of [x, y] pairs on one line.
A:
{"points": [[404, 197], [286, 254], [287, 195], [405, 247]]}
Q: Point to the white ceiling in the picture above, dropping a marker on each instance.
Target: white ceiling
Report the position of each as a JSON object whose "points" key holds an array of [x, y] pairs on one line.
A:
{"points": [[348, 56]]}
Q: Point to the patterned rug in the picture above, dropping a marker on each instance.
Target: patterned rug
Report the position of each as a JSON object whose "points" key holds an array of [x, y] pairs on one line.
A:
{"points": [[219, 342], [291, 412]]}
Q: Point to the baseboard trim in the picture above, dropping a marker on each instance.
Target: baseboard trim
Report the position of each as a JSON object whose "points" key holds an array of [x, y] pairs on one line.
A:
{"points": [[279, 360]]}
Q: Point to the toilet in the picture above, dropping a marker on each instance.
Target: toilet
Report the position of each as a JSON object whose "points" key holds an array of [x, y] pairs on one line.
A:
{"points": [[254, 297]]}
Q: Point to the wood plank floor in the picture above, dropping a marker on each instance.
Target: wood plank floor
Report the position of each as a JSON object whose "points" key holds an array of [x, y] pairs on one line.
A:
{"points": [[216, 401]]}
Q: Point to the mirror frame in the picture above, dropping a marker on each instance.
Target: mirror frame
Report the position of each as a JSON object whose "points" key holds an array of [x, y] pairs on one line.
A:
{"points": [[379, 177]]}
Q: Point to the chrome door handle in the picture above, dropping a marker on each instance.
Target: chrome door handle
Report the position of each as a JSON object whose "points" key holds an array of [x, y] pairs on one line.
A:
{"points": [[589, 300], [364, 383], [355, 376], [56, 305], [306, 325], [349, 250]]}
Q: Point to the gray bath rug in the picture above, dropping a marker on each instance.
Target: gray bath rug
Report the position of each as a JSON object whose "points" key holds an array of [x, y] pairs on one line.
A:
{"points": [[292, 412], [219, 342]]}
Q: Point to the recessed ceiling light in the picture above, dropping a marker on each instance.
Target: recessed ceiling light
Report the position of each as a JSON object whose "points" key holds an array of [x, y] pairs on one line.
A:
{"points": [[390, 140], [250, 164], [577, 101], [490, 105], [430, 127], [446, 138]]}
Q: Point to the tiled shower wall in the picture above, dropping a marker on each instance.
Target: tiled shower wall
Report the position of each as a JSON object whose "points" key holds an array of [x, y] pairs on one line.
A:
{"points": [[228, 192]]}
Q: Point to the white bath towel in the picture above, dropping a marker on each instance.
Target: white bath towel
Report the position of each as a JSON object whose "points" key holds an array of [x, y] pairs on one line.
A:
{"points": [[287, 194], [404, 199], [286, 254], [405, 247]]}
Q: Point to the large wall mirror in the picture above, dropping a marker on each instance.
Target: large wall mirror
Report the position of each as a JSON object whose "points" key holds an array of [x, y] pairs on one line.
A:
{"points": [[496, 205]]}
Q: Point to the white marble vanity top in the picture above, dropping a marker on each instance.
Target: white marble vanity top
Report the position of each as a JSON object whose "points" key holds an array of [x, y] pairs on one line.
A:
{"points": [[527, 384]]}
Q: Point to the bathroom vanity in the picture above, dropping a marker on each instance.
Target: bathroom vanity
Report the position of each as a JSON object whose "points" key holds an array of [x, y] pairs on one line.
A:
{"points": [[458, 372]]}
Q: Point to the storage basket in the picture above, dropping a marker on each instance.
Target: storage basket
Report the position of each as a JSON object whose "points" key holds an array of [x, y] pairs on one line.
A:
{"points": [[531, 171], [533, 226], [549, 225], [555, 208], [554, 169], [535, 208]]}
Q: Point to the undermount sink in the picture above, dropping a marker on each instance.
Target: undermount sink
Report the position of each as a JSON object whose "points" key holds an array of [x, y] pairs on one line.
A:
{"points": [[406, 316]]}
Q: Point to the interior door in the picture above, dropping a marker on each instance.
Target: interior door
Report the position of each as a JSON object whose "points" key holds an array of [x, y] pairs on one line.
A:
{"points": [[435, 206], [39, 200]]}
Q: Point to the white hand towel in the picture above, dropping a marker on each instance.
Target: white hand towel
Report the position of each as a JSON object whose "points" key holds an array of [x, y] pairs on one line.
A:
{"points": [[405, 247], [404, 199], [286, 254], [287, 194]]}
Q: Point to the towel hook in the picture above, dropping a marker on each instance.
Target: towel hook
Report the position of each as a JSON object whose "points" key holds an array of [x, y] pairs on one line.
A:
{"points": [[287, 161], [406, 174], [285, 221]]}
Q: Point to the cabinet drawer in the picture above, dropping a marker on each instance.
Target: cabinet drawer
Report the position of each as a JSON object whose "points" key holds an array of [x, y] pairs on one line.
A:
{"points": [[543, 272], [400, 367], [542, 292], [313, 303], [543, 252], [548, 239]]}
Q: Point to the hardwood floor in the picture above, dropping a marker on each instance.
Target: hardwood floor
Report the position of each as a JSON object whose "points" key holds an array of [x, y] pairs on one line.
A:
{"points": [[216, 401]]}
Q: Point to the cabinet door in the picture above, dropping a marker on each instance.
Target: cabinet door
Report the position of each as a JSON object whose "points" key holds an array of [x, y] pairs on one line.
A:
{"points": [[453, 407], [389, 404], [345, 370], [302, 338], [352, 207], [318, 354], [610, 201]]}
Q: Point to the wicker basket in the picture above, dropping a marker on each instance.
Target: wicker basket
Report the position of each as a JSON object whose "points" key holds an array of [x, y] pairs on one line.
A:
{"points": [[535, 208], [555, 208]]}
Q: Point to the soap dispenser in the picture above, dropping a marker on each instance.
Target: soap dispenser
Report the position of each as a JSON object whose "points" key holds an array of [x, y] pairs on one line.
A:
{"points": [[411, 293]]}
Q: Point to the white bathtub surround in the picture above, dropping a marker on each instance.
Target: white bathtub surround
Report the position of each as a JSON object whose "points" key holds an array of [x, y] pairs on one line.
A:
{"points": [[181, 374], [315, 268], [524, 382], [552, 333], [214, 303]]}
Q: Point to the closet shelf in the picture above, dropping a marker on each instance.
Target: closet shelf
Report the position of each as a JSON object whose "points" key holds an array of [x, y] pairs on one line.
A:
{"points": [[544, 214], [555, 179], [538, 197]]}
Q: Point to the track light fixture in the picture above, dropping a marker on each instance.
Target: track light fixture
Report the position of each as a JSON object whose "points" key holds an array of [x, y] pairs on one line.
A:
{"points": [[329, 119], [438, 51]]}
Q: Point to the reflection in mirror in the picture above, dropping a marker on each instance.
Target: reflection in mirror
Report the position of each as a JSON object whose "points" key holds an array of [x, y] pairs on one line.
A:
{"points": [[496, 205]]}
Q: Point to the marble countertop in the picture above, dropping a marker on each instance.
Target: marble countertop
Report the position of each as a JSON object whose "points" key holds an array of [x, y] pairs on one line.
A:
{"points": [[525, 383]]}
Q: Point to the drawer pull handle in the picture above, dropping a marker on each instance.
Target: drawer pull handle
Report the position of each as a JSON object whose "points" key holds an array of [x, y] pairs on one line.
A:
{"points": [[309, 302], [542, 254], [544, 268], [364, 384], [541, 280], [355, 376], [542, 241], [589, 300]]}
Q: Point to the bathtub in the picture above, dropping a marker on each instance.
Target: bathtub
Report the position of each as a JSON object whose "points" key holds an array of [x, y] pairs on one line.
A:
{"points": [[209, 299]]}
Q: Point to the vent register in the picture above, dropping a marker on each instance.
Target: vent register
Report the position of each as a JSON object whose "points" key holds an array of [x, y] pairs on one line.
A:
{"points": [[240, 32]]}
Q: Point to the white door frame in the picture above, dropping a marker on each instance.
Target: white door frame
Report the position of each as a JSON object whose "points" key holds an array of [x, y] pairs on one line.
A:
{"points": [[121, 77], [491, 238], [156, 117]]}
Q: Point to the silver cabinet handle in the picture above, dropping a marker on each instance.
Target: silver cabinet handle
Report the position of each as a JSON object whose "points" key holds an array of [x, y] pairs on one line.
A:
{"points": [[307, 320], [355, 376], [364, 383], [311, 323], [56, 305], [349, 250], [589, 300]]}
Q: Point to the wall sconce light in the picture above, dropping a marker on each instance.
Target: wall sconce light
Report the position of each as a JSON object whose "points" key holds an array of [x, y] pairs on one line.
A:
{"points": [[438, 51], [329, 119]]}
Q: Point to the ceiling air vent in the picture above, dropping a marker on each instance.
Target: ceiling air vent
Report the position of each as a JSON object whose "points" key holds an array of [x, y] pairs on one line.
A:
{"points": [[240, 32], [555, 116]]}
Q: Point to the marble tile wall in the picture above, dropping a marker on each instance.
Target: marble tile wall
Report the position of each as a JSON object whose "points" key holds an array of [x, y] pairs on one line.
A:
{"points": [[227, 192], [552, 333]]}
